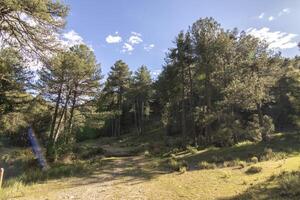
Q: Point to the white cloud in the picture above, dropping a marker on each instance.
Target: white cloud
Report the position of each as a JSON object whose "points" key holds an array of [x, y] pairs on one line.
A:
{"points": [[149, 47], [127, 48], [135, 38], [71, 38], [111, 39], [284, 12], [271, 18], [261, 16], [155, 73], [135, 33], [276, 39]]}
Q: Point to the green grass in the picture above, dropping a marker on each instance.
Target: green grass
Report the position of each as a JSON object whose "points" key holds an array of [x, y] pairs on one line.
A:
{"points": [[244, 171]]}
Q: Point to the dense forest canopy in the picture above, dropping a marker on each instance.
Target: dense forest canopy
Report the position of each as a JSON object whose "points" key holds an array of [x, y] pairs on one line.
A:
{"points": [[217, 86]]}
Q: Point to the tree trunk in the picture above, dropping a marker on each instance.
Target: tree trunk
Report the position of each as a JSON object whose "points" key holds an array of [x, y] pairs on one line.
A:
{"points": [[183, 116], [51, 151], [142, 117], [56, 134], [208, 101], [69, 130]]}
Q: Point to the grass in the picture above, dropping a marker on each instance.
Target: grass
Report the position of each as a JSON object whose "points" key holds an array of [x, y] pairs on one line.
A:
{"points": [[244, 171]]}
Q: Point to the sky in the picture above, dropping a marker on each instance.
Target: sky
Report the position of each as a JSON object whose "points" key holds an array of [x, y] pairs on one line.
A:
{"points": [[140, 31]]}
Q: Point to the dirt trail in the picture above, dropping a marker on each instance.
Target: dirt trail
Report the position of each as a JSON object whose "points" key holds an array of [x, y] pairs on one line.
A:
{"points": [[122, 178]]}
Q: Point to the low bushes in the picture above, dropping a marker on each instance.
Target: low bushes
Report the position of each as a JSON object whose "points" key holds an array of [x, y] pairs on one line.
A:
{"points": [[206, 165], [289, 184], [175, 165]]}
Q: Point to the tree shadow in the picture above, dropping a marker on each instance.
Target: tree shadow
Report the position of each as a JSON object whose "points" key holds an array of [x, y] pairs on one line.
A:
{"points": [[283, 186], [282, 145]]}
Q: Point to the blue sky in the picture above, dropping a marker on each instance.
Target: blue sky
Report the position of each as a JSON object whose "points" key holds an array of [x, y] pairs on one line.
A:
{"points": [[140, 31]]}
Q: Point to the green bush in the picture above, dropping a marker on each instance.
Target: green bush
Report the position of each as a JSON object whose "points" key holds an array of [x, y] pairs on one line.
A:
{"points": [[289, 184], [191, 149], [176, 165], [254, 170], [268, 154], [235, 163], [206, 165], [182, 169], [216, 159], [173, 164], [268, 126], [147, 153], [254, 159]]}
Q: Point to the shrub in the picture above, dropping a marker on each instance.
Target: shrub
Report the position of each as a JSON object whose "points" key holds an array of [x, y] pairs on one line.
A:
{"points": [[173, 164], [147, 153], [206, 165], [242, 164], [176, 165], [267, 155], [216, 159], [289, 183], [182, 169], [191, 149], [254, 129], [254, 159], [268, 126], [235, 163], [254, 170]]}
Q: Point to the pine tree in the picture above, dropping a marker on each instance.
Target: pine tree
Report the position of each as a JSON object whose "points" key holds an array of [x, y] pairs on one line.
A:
{"points": [[115, 91], [31, 25], [141, 92]]}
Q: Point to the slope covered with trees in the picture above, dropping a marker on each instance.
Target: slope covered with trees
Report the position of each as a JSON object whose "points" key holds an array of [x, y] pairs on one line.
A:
{"points": [[218, 87]]}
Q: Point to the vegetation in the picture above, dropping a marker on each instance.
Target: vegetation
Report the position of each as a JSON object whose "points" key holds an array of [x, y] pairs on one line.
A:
{"points": [[224, 103]]}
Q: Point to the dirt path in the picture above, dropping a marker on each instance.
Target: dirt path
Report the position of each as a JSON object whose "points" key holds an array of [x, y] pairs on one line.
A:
{"points": [[121, 177]]}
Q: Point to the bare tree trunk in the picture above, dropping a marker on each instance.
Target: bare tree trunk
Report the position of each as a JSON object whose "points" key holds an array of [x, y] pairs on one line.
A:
{"points": [[208, 101], [69, 130], [183, 119], [135, 117], [51, 152], [56, 134], [142, 117]]}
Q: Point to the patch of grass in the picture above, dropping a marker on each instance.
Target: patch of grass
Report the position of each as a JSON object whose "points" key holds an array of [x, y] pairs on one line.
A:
{"points": [[206, 165], [89, 152], [281, 146], [235, 163], [268, 154], [12, 188], [289, 184]]}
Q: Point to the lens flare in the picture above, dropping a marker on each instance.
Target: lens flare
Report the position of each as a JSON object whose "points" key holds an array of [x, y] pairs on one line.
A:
{"points": [[36, 148]]}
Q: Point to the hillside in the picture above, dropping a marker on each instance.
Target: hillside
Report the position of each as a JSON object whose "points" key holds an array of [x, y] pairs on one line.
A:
{"points": [[125, 169]]}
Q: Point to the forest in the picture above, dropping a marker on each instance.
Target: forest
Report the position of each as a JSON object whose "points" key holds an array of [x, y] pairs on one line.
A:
{"points": [[218, 88]]}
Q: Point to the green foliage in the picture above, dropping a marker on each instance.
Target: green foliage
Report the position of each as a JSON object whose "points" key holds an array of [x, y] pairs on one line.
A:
{"points": [[289, 184], [175, 165], [114, 97], [69, 81], [254, 159], [35, 26]]}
